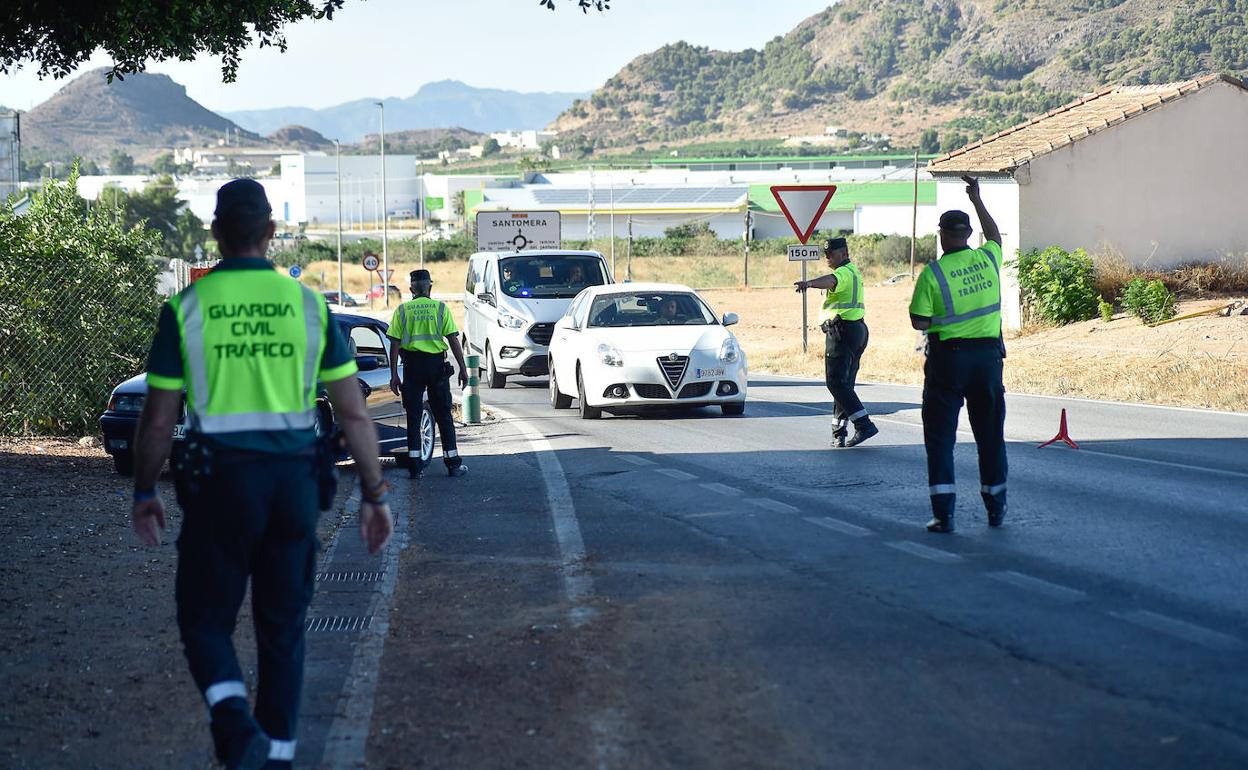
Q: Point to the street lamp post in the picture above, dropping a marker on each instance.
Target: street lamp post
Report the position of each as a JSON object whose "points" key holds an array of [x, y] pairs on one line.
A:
{"points": [[338, 181], [385, 218]]}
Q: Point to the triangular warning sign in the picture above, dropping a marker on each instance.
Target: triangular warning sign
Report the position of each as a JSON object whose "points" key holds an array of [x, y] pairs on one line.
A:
{"points": [[803, 205]]}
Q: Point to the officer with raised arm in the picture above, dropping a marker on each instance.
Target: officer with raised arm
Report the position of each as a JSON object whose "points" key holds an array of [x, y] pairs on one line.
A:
{"points": [[249, 346], [957, 301], [845, 340], [421, 331]]}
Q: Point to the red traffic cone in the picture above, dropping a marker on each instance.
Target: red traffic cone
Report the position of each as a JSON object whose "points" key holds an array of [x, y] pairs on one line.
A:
{"points": [[1062, 435]]}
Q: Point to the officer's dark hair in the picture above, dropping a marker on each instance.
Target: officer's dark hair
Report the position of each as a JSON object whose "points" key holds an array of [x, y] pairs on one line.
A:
{"points": [[243, 214]]}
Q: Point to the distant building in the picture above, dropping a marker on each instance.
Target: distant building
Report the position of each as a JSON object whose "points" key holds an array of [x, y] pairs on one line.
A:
{"points": [[524, 140], [1155, 173], [309, 188]]}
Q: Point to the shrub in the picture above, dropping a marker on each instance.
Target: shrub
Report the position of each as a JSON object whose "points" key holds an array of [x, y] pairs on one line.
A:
{"points": [[1058, 285], [1150, 301], [1106, 308]]}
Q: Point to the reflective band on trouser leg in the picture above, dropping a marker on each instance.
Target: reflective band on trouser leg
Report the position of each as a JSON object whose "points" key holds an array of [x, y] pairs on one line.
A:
{"points": [[451, 453], [996, 489], [942, 489], [283, 751], [223, 690], [858, 415]]}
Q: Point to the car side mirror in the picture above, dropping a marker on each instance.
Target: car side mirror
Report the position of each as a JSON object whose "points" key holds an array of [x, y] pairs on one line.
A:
{"points": [[730, 319], [367, 363], [486, 297]]}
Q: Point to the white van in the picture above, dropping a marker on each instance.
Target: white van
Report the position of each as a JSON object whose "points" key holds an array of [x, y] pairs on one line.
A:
{"points": [[512, 301]]}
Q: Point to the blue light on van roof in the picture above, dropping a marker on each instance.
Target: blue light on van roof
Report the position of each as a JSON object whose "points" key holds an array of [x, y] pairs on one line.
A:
{"points": [[524, 292]]}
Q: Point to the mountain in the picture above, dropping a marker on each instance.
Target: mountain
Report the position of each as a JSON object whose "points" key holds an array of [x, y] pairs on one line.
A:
{"points": [[419, 141], [901, 66], [445, 103], [299, 137], [91, 117]]}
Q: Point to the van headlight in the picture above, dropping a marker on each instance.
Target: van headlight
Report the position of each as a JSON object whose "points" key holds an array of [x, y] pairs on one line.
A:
{"points": [[729, 353], [509, 321], [609, 355]]}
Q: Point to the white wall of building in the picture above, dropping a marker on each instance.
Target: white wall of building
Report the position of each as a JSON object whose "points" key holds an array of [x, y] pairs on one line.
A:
{"points": [[310, 188], [775, 225], [447, 187], [1001, 198], [895, 220], [1166, 187]]}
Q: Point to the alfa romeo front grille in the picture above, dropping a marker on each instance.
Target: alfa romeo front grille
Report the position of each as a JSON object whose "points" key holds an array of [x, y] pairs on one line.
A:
{"points": [[696, 390], [674, 368], [650, 390]]}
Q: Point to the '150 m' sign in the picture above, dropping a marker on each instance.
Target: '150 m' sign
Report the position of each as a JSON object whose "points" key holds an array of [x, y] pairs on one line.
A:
{"points": [[509, 231]]}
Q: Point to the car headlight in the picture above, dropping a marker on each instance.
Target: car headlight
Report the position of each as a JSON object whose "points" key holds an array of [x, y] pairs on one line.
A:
{"points": [[608, 355], [126, 403], [509, 321], [729, 352]]}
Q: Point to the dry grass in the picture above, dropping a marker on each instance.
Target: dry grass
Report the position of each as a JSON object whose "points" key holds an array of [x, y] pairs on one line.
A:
{"points": [[1195, 279]]}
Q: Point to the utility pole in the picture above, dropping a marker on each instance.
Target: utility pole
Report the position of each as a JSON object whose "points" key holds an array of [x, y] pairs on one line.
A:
{"points": [[612, 183], [746, 238], [630, 248], [423, 214], [914, 217], [338, 181], [385, 216], [589, 225]]}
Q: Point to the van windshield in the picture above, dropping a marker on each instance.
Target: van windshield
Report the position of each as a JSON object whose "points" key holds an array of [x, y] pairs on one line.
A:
{"points": [[549, 277]]}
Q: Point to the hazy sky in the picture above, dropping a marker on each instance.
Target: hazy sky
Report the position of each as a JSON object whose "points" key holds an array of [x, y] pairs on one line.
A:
{"points": [[392, 47]]}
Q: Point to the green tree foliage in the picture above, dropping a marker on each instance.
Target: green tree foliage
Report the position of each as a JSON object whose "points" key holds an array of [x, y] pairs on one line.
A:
{"points": [[78, 299], [1150, 301], [119, 163], [1058, 286], [157, 208], [490, 147], [164, 164], [929, 141]]}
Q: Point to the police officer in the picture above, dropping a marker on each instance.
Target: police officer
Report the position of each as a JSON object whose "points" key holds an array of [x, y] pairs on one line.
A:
{"points": [[845, 340], [421, 331], [248, 345], [957, 301]]}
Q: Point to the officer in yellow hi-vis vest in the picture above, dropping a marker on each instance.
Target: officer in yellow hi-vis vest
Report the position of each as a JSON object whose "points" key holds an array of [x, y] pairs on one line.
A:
{"points": [[249, 346], [421, 331], [957, 301], [841, 319]]}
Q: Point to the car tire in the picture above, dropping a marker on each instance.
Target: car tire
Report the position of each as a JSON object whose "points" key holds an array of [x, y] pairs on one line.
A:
{"points": [[557, 399], [492, 377], [123, 463], [735, 409], [428, 434], [587, 412]]}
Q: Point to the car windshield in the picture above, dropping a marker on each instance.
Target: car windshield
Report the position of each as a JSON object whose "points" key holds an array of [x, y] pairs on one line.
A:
{"points": [[650, 308], [549, 277]]}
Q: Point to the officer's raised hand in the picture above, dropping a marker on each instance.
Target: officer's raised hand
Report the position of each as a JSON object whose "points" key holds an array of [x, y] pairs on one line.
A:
{"points": [[972, 187]]}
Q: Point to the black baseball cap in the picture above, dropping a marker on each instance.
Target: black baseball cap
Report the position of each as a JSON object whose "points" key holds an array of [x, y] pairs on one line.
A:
{"points": [[835, 243], [421, 275], [242, 196], [955, 220]]}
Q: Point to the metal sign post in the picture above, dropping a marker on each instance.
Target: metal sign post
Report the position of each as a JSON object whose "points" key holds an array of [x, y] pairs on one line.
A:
{"points": [[805, 254], [803, 205]]}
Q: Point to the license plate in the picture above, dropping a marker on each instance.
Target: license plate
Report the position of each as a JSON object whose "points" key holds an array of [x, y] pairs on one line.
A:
{"points": [[702, 374], [118, 443], [179, 432]]}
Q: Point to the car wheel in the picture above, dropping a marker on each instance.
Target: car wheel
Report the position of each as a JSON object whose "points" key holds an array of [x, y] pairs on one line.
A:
{"points": [[557, 399], [587, 412], [734, 409], [123, 463], [492, 377], [428, 434]]}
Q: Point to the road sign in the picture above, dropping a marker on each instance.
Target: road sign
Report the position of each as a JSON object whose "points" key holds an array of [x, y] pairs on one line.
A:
{"points": [[385, 275], [517, 230], [803, 205], [805, 253], [295, 271], [370, 262]]}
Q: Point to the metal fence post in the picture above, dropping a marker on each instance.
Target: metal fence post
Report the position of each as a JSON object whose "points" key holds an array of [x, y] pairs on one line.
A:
{"points": [[472, 401]]}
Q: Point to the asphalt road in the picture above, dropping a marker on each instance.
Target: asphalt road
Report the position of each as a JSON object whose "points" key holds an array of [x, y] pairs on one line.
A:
{"points": [[731, 592]]}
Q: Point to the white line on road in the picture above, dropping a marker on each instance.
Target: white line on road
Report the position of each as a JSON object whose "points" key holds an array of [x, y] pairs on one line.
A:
{"points": [[836, 525], [635, 460], [721, 489], [924, 552], [772, 505], [1180, 629], [672, 473], [1036, 585]]}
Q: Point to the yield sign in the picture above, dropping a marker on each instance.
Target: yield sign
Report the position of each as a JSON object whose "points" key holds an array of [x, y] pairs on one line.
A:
{"points": [[803, 205]]}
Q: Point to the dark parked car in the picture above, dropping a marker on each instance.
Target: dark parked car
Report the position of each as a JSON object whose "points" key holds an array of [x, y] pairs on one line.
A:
{"points": [[347, 299], [367, 337]]}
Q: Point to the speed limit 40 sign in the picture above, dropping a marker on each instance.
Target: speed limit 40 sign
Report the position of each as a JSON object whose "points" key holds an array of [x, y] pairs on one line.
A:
{"points": [[370, 262]]}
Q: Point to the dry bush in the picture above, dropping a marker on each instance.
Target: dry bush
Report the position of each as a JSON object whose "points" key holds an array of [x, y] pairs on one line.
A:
{"points": [[1223, 277]]}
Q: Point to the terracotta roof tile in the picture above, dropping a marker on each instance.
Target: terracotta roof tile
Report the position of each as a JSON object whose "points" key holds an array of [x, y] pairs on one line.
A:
{"points": [[1006, 150]]}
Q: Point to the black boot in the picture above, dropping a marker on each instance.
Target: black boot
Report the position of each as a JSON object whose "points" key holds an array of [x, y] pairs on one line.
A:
{"points": [[415, 470], [996, 507], [940, 524], [240, 743], [863, 430]]}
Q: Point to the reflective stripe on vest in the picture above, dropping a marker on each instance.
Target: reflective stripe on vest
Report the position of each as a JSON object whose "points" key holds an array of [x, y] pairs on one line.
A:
{"points": [[407, 329], [946, 295], [855, 302], [197, 367]]}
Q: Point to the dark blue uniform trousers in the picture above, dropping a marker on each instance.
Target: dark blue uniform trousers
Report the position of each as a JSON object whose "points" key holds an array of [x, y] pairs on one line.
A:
{"points": [[842, 354], [253, 518], [970, 370], [426, 372]]}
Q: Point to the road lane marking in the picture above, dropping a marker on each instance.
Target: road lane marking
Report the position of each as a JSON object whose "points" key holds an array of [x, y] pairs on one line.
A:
{"points": [[836, 525], [772, 505], [710, 514], [1180, 629], [672, 473], [635, 460], [1036, 585], [721, 489], [924, 552]]}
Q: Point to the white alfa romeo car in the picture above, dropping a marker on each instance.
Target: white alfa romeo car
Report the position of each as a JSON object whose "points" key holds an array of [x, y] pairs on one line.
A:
{"points": [[645, 344]]}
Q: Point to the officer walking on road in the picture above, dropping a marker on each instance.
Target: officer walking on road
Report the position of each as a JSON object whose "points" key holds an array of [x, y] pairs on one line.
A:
{"points": [[845, 340], [249, 346], [957, 301], [421, 331]]}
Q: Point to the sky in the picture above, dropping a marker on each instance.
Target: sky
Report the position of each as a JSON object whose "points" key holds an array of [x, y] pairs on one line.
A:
{"points": [[383, 48]]}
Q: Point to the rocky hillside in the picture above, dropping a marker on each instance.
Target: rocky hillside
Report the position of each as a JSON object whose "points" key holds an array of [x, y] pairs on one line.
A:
{"points": [[92, 117], [299, 137], [425, 142], [902, 66]]}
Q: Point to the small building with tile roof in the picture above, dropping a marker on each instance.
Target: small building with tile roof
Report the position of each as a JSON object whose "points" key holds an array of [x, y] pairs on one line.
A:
{"points": [[1157, 174]]}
